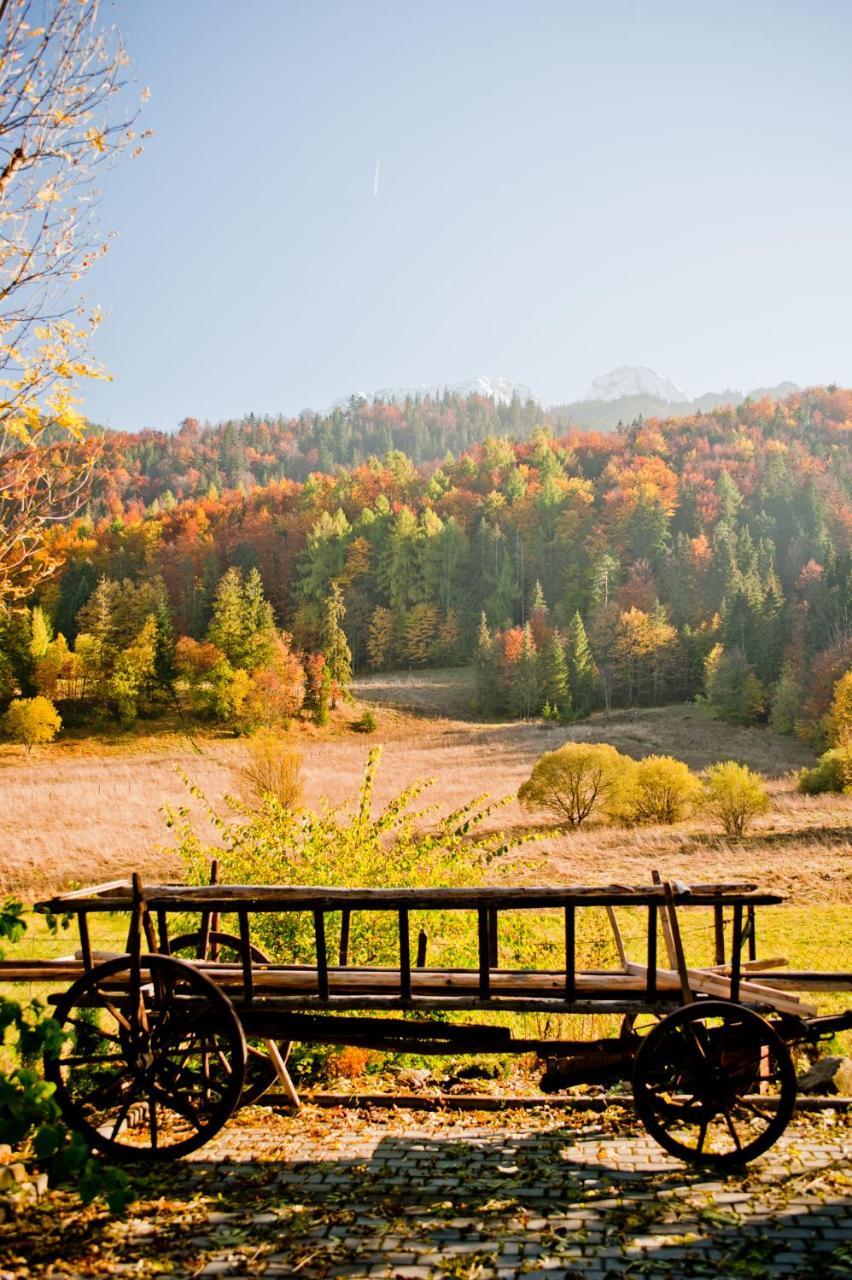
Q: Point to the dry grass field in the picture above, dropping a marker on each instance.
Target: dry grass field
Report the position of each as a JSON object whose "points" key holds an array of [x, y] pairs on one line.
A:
{"points": [[91, 809]]}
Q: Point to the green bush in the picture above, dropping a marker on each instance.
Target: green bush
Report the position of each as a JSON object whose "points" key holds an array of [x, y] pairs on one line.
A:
{"points": [[349, 847], [832, 772], [735, 795], [578, 780], [367, 723], [30, 1119], [664, 790]]}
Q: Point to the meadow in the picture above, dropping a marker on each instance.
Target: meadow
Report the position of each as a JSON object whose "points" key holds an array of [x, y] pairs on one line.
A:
{"points": [[89, 809]]}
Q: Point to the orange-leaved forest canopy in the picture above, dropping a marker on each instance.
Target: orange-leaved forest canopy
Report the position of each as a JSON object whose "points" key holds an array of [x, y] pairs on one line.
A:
{"points": [[575, 567]]}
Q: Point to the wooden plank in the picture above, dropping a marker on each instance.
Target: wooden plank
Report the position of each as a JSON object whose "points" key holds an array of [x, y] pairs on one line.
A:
{"points": [[304, 897], [570, 951], [719, 932], [616, 933], [711, 983], [422, 943], [404, 957], [652, 953], [484, 953], [677, 943], [344, 937], [664, 923], [85, 943], [736, 952], [163, 932], [493, 942], [752, 934], [279, 1062], [322, 957], [245, 949]]}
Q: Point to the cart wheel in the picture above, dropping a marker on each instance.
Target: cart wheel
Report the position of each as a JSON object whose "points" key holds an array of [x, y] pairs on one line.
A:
{"points": [[151, 1067], [714, 1084], [637, 1024], [260, 1073]]}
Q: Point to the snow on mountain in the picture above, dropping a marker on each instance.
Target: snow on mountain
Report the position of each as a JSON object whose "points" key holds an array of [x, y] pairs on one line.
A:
{"points": [[635, 380], [500, 389]]}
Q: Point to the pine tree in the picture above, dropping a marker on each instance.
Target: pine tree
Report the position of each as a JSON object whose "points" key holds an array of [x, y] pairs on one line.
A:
{"points": [[164, 647], [581, 667], [553, 670], [487, 696], [242, 625], [335, 648], [525, 687], [380, 642]]}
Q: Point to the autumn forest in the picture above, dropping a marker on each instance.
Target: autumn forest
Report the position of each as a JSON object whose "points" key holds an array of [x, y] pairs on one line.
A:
{"points": [[243, 571]]}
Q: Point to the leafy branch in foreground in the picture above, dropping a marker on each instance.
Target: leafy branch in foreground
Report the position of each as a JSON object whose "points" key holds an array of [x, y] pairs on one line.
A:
{"points": [[30, 1120]]}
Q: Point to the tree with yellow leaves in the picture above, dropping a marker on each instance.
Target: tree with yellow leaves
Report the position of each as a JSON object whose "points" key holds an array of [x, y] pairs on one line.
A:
{"points": [[61, 76]]}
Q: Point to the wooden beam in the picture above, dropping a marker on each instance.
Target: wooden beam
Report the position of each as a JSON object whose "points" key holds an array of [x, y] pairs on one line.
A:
{"points": [[570, 952], [404, 957], [651, 989], [245, 949], [616, 933], [345, 916], [677, 944], [279, 1062], [484, 954], [322, 958]]}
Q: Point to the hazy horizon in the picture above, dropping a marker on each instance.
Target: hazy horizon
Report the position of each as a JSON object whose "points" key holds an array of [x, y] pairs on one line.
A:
{"points": [[340, 198]]}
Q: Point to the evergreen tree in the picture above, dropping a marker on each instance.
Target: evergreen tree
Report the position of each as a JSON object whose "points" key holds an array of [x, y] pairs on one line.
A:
{"points": [[335, 648], [553, 670], [164, 647], [487, 694], [242, 625], [525, 689], [581, 667]]}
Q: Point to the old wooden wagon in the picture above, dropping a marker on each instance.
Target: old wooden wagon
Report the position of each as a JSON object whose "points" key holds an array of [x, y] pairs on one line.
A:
{"points": [[166, 1040]]}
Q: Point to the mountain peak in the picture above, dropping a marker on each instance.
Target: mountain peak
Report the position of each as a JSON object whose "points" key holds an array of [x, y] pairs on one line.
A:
{"points": [[635, 380], [502, 390]]}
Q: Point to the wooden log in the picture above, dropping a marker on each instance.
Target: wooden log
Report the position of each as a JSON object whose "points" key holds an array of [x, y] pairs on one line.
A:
{"points": [[404, 957], [677, 944], [345, 920], [711, 983], [570, 951], [304, 897], [719, 932], [322, 957], [85, 943], [484, 953], [247, 966], [651, 985], [279, 1062], [616, 933]]}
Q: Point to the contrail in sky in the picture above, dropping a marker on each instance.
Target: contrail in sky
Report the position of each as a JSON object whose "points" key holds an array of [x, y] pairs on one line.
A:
{"points": [[376, 176]]}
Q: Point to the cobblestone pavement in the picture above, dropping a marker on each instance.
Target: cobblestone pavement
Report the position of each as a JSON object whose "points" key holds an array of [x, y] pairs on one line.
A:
{"points": [[415, 1196]]}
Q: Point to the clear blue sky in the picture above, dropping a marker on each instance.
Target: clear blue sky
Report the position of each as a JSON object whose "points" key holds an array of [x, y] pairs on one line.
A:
{"points": [[563, 187]]}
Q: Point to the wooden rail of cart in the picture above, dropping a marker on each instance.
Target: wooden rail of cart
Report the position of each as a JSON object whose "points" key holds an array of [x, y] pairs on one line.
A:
{"points": [[166, 1040]]}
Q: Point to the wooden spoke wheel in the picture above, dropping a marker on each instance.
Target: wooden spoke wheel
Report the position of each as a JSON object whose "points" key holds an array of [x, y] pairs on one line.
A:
{"points": [[714, 1084], [637, 1024], [228, 948], [152, 1064]]}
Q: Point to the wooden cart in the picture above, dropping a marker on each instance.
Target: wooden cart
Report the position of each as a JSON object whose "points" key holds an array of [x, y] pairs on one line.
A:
{"points": [[163, 1042]]}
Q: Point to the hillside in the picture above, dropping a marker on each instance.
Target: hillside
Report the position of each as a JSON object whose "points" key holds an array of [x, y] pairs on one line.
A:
{"points": [[706, 556]]}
